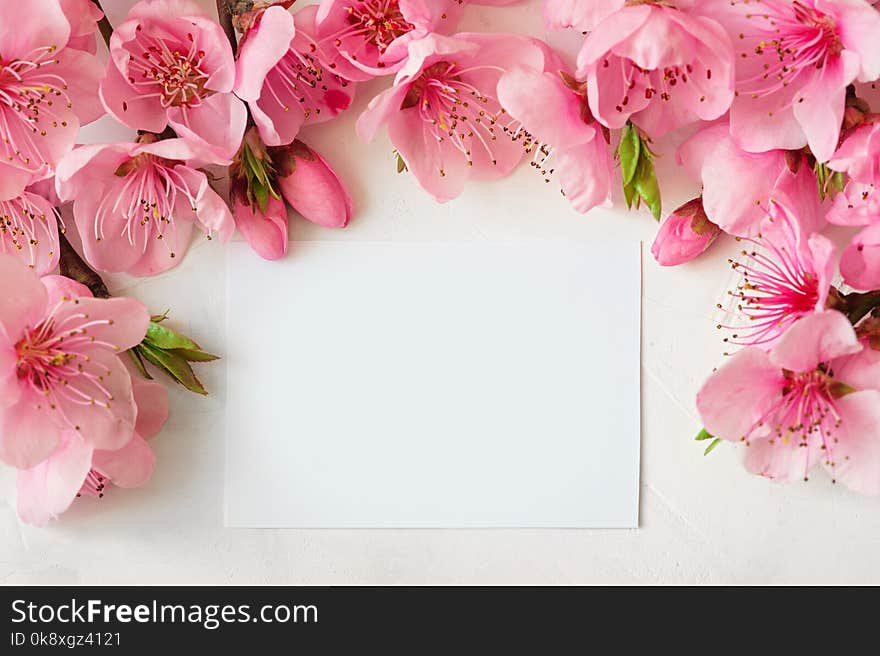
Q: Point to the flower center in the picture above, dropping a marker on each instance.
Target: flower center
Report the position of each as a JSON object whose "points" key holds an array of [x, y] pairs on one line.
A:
{"points": [[146, 199], [33, 100], [41, 360], [459, 113], [660, 82], [173, 73], [378, 22], [793, 38], [778, 287]]}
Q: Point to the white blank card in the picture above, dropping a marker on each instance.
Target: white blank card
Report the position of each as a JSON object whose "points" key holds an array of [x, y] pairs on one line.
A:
{"points": [[478, 384]]}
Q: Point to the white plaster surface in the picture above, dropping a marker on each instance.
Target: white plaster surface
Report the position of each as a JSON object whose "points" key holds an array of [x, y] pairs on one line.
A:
{"points": [[703, 519]]}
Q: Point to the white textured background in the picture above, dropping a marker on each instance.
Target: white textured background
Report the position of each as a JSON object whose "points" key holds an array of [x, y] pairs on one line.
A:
{"points": [[703, 520]]}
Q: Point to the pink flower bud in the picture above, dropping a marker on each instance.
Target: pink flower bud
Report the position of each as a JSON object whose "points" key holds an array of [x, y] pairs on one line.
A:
{"points": [[310, 186], [266, 232], [685, 234]]}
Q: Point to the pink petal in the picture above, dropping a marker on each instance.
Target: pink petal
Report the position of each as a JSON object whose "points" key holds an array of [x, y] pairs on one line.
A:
{"points": [[47, 490], [121, 322], [265, 232], [819, 106], [139, 113], [152, 406], [42, 24], [217, 125], [780, 459], [29, 431], [61, 289], [584, 173], [860, 262], [262, 48], [814, 339], [860, 370], [23, 301], [316, 192], [164, 254], [738, 394], [101, 426], [82, 72], [557, 119], [129, 466], [856, 452]]}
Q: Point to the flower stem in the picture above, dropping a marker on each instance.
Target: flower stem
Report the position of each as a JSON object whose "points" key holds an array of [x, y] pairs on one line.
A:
{"points": [[74, 267], [104, 25]]}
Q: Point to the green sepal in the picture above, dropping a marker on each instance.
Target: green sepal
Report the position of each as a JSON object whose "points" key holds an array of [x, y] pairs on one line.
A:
{"points": [[637, 171], [712, 446], [628, 152], [174, 365], [703, 435]]}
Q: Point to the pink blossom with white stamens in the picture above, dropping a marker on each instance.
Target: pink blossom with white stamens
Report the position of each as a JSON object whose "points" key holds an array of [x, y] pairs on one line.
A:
{"points": [[172, 65], [794, 62], [47, 90], [135, 204], [813, 398], [287, 76], [443, 113], [786, 274], [60, 369], [29, 231]]}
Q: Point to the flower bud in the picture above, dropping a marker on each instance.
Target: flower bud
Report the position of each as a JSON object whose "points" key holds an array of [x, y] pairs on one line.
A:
{"points": [[310, 186], [685, 234], [264, 229]]}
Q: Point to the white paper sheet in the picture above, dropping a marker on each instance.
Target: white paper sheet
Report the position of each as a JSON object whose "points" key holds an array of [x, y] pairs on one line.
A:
{"points": [[480, 384]]}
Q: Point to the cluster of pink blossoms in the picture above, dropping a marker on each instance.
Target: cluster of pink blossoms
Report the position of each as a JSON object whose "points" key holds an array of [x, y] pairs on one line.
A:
{"points": [[774, 95]]}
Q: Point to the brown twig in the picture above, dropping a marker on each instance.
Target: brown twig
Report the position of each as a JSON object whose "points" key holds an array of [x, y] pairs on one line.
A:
{"points": [[104, 25], [74, 267]]}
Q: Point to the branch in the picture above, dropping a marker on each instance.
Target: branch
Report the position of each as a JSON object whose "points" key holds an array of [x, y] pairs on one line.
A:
{"points": [[104, 25], [72, 266], [225, 13]]}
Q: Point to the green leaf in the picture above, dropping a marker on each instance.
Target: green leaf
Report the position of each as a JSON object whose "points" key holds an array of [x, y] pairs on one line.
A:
{"points": [[139, 363], [629, 195], [174, 365], [165, 338], [703, 435], [195, 356], [712, 446], [629, 152], [401, 165]]}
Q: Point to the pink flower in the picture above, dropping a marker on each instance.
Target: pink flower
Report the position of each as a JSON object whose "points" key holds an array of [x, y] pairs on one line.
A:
{"points": [[285, 76], [443, 113], [311, 186], [60, 369], [860, 262], [684, 235], [29, 231], [75, 468], [372, 36], [47, 90], [813, 398], [172, 65], [658, 65], [135, 204], [556, 125], [794, 62], [738, 185], [786, 274]]}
